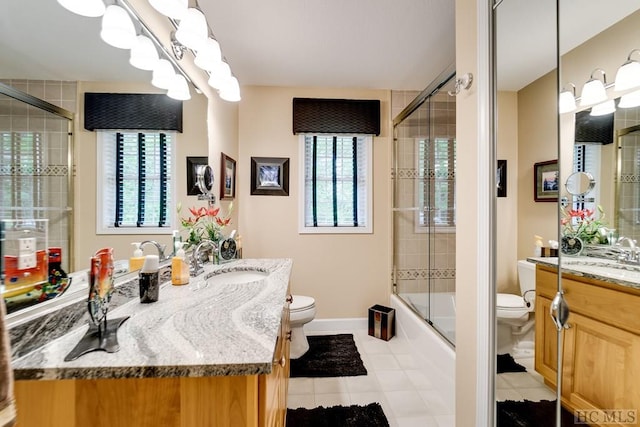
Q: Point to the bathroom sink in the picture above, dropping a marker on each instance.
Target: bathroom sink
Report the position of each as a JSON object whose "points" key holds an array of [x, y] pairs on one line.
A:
{"points": [[237, 277]]}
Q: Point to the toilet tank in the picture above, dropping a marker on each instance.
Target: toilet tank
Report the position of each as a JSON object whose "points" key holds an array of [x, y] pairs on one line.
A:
{"points": [[527, 279]]}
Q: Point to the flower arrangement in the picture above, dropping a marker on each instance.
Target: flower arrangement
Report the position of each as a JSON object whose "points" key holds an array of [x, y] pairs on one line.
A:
{"points": [[205, 223], [582, 223]]}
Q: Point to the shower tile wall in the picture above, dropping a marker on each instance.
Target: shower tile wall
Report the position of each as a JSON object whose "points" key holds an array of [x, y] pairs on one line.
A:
{"points": [[420, 256], [629, 210], [15, 116]]}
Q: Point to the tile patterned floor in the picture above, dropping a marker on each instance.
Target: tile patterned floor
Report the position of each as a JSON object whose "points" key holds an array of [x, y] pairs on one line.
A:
{"points": [[407, 390], [523, 385]]}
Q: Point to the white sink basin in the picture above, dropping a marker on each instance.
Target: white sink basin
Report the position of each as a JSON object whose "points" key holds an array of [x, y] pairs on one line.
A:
{"points": [[237, 277]]}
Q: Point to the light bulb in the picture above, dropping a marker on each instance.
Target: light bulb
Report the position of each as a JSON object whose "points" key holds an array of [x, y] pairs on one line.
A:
{"points": [[90, 8], [172, 8], [231, 90], [209, 55], [117, 28], [143, 54], [630, 100], [179, 88], [163, 74], [604, 108], [567, 102], [219, 75], [193, 31], [593, 92]]}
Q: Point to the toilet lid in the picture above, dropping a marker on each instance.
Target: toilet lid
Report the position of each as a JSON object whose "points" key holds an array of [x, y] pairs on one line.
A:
{"points": [[510, 301], [301, 302]]}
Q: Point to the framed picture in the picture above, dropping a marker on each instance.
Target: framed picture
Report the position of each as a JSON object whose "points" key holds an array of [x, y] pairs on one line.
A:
{"points": [[192, 180], [228, 178], [501, 178], [270, 176], [545, 186]]}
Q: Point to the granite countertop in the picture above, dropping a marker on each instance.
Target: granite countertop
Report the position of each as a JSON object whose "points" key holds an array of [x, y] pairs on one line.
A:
{"points": [[603, 269], [200, 329]]}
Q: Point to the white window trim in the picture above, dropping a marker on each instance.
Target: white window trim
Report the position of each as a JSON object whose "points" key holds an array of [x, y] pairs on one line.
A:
{"points": [[100, 171], [368, 229]]}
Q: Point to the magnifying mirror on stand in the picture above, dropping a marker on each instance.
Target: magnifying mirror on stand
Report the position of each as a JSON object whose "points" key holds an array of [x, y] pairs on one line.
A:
{"points": [[204, 182], [578, 184]]}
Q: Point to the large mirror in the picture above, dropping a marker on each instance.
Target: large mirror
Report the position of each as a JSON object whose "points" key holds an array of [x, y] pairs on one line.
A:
{"points": [[594, 40]]}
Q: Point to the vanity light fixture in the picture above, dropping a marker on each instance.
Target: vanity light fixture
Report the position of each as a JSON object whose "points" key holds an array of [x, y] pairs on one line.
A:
{"points": [[209, 55], [628, 75], [593, 91], [179, 88], [172, 8], [117, 28], [231, 90], [630, 100], [163, 74], [90, 8], [144, 55], [603, 108], [193, 30], [219, 75], [567, 102]]}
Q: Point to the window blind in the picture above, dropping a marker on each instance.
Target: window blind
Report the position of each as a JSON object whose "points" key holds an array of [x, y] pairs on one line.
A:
{"points": [[436, 182], [22, 159], [138, 169], [335, 181]]}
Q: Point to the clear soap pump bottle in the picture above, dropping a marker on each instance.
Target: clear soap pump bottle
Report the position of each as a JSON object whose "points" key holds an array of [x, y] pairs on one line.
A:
{"points": [[179, 267]]}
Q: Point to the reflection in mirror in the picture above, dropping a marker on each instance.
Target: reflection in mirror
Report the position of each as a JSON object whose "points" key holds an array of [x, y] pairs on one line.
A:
{"points": [[580, 183]]}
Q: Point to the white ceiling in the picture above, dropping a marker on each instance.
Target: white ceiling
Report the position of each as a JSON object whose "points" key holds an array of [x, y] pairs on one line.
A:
{"points": [[325, 43]]}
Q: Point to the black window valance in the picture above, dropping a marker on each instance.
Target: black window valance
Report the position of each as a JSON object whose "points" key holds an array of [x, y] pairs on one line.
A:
{"points": [[148, 111], [351, 116]]}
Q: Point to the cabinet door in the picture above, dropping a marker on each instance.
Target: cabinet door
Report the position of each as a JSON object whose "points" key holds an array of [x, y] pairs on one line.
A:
{"points": [[601, 368], [546, 354]]}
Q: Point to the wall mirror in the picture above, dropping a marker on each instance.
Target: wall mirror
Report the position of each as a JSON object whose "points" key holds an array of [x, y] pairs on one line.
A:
{"points": [[566, 347]]}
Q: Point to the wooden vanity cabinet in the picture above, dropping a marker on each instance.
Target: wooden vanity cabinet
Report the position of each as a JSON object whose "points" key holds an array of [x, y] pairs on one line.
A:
{"points": [[601, 347], [223, 401]]}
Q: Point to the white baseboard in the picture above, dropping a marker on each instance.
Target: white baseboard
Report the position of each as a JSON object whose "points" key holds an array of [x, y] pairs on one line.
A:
{"points": [[331, 325]]}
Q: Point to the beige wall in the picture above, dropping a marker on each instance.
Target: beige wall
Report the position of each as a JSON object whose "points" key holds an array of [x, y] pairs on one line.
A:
{"points": [[193, 141], [347, 273], [467, 280], [506, 207], [537, 142]]}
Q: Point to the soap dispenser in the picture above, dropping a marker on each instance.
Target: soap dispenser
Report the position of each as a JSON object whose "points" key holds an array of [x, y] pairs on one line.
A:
{"points": [[179, 267], [137, 260]]}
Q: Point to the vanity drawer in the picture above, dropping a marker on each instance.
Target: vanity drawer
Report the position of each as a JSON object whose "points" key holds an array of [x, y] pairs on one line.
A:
{"points": [[593, 299]]}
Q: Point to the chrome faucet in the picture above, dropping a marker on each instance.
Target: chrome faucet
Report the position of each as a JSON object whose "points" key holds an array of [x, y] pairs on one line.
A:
{"points": [[159, 247], [630, 256], [196, 266]]}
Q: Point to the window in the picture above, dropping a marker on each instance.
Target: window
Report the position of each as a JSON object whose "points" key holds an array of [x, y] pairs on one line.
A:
{"points": [[22, 166], [435, 190], [336, 179], [135, 182]]}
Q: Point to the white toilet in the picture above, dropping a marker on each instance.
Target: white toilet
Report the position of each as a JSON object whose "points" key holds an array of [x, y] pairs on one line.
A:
{"points": [[302, 310], [515, 314]]}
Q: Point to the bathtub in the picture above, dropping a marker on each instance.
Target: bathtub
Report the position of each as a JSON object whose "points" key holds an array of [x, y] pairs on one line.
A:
{"points": [[427, 345]]}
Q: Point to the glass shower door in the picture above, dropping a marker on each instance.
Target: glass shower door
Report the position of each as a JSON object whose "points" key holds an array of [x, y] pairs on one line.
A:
{"points": [[424, 209]]}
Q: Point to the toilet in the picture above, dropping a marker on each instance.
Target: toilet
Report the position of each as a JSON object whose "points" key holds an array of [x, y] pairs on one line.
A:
{"points": [[515, 314], [302, 310]]}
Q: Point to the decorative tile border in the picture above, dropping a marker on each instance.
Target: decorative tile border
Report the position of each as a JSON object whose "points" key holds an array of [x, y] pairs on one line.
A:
{"points": [[629, 178], [415, 174], [18, 170], [423, 273]]}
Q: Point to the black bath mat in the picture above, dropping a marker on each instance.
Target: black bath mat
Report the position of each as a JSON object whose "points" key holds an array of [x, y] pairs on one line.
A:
{"points": [[371, 415], [329, 356], [506, 363], [531, 414]]}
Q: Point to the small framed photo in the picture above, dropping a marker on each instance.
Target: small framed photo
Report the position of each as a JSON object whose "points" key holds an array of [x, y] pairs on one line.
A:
{"points": [[270, 176], [228, 181], [545, 186], [192, 174], [501, 178]]}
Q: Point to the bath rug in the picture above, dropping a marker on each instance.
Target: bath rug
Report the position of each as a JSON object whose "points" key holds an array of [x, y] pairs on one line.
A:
{"points": [[531, 414], [506, 363], [329, 356], [370, 415]]}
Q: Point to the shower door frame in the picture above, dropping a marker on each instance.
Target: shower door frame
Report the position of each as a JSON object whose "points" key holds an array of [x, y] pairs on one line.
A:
{"points": [[64, 114]]}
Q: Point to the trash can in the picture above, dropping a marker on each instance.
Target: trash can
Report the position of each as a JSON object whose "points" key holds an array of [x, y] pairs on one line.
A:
{"points": [[382, 322]]}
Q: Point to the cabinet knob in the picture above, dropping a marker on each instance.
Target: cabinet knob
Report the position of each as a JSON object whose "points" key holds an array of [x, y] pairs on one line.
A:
{"points": [[289, 298], [289, 335]]}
